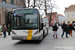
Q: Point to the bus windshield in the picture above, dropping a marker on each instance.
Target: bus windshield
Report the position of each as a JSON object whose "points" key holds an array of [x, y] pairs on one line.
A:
{"points": [[25, 21]]}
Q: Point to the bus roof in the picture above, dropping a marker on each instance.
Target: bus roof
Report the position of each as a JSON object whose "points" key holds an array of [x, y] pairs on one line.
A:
{"points": [[23, 8]]}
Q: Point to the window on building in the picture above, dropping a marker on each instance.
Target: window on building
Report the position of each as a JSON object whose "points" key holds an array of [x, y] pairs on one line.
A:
{"points": [[73, 15], [65, 15], [68, 17], [4, 1], [73, 12], [12, 2], [68, 13]]}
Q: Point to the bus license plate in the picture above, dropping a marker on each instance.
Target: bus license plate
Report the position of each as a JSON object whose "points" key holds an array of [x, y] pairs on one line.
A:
{"points": [[24, 38]]}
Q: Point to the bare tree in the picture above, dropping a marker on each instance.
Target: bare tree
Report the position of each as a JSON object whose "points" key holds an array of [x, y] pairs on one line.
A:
{"points": [[28, 3], [47, 5], [50, 7], [43, 4], [34, 3], [38, 4], [23, 2]]}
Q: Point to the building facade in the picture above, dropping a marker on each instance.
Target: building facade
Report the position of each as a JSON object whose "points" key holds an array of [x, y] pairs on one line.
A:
{"points": [[54, 17], [4, 9], [70, 14], [61, 18], [13, 2], [7, 6]]}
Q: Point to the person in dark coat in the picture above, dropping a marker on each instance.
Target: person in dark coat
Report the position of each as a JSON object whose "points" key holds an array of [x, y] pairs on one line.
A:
{"points": [[4, 29], [70, 29], [74, 27], [64, 28], [55, 30]]}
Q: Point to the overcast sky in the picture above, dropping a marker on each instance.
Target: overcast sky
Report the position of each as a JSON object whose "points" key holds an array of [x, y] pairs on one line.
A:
{"points": [[61, 4]]}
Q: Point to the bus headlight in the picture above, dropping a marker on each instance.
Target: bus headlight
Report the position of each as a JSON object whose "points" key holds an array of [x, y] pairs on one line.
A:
{"points": [[14, 32], [36, 33]]}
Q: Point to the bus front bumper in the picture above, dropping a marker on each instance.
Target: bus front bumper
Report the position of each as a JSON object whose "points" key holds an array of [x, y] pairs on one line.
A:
{"points": [[25, 38]]}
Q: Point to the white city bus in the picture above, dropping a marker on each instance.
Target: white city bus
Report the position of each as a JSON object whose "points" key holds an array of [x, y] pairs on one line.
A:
{"points": [[27, 25]]}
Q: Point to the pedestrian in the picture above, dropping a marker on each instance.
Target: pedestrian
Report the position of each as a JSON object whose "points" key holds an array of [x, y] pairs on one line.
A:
{"points": [[4, 29], [74, 27], [61, 24], [67, 28], [64, 28], [70, 29], [55, 27], [8, 29]]}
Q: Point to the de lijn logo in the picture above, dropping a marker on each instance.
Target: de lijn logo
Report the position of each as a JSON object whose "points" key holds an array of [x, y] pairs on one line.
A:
{"points": [[26, 31]]}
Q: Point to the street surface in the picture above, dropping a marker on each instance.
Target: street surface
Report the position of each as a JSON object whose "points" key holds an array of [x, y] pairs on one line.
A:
{"points": [[48, 43]]}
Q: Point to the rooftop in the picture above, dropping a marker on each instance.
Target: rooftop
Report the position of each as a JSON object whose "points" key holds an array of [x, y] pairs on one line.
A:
{"points": [[53, 13], [71, 7], [60, 15]]}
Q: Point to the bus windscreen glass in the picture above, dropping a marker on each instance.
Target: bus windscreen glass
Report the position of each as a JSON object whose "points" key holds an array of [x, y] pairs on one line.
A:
{"points": [[25, 20]]}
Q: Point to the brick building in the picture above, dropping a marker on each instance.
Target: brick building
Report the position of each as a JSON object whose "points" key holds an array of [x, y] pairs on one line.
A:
{"points": [[61, 18], [54, 17], [13, 2], [7, 6]]}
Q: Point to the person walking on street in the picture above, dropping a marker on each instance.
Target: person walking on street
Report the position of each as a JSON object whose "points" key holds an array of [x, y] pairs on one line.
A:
{"points": [[70, 29], [8, 29], [74, 27], [64, 28], [55, 30], [4, 29]]}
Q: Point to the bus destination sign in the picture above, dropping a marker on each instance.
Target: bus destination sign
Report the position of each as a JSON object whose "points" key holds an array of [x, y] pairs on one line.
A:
{"points": [[25, 11]]}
